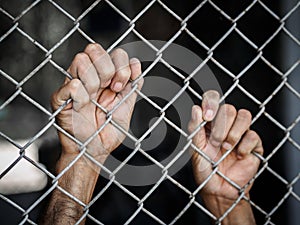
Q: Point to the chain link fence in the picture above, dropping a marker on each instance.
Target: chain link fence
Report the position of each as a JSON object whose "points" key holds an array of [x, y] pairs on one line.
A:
{"points": [[252, 48]]}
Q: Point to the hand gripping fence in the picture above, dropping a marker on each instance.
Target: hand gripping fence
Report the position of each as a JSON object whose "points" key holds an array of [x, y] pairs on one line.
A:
{"points": [[284, 178]]}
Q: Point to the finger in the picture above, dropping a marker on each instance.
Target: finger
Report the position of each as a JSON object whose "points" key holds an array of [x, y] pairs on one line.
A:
{"points": [[251, 142], [136, 71], [83, 69], [102, 62], [240, 126], [135, 67], [199, 138], [210, 104], [122, 69], [74, 90], [222, 124], [127, 107]]}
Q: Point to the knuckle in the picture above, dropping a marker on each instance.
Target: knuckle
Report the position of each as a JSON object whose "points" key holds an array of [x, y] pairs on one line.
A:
{"points": [[233, 137], [252, 135], [108, 70], [245, 114], [119, 52], [123, 72], [82, 70], [80, 62], [242, 151], [218, 137], [92, 47], [135, 61], [80, 57], [74, 84], [229, 110], [95, 84]]}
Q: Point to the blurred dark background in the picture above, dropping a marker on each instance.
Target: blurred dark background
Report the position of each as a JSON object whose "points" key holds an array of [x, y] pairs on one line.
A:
{"points": [[47, 25]]}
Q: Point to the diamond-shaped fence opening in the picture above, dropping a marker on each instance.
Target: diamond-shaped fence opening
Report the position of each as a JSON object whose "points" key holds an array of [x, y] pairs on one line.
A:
{"points": [[251, 49]]}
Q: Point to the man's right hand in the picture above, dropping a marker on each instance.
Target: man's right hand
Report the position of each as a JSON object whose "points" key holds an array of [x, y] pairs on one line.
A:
{"points": [[103, 78]]}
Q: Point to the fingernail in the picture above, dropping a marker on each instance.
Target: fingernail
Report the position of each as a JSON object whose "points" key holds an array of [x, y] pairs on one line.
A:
{"points": [[118, 86], [209, 114], [227, 146]]}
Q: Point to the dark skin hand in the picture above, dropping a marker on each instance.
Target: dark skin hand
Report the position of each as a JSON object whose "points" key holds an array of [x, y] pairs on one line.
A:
{"points": [[229, 129], [104, 79]]}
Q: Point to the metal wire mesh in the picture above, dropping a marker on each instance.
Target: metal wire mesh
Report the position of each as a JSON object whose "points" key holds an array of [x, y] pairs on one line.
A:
{"points": [[49, 58]]}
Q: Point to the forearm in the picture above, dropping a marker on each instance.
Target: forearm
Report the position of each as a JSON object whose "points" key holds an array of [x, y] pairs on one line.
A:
{"points": [[240, 214], [79, 181]]}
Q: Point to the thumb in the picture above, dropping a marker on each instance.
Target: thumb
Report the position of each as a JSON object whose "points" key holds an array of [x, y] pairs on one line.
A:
{"points": [[199, 138], [136, 70], [200, 164]]}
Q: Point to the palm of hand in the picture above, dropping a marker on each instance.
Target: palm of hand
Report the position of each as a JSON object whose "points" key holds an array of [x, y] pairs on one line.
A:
{"points": [[238, 170], [91, 118]]}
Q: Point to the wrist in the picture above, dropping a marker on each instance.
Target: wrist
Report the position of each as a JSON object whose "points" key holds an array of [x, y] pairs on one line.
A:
{"points": [[71, 150], [241, 213], [82, 163], [80, 177]]}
